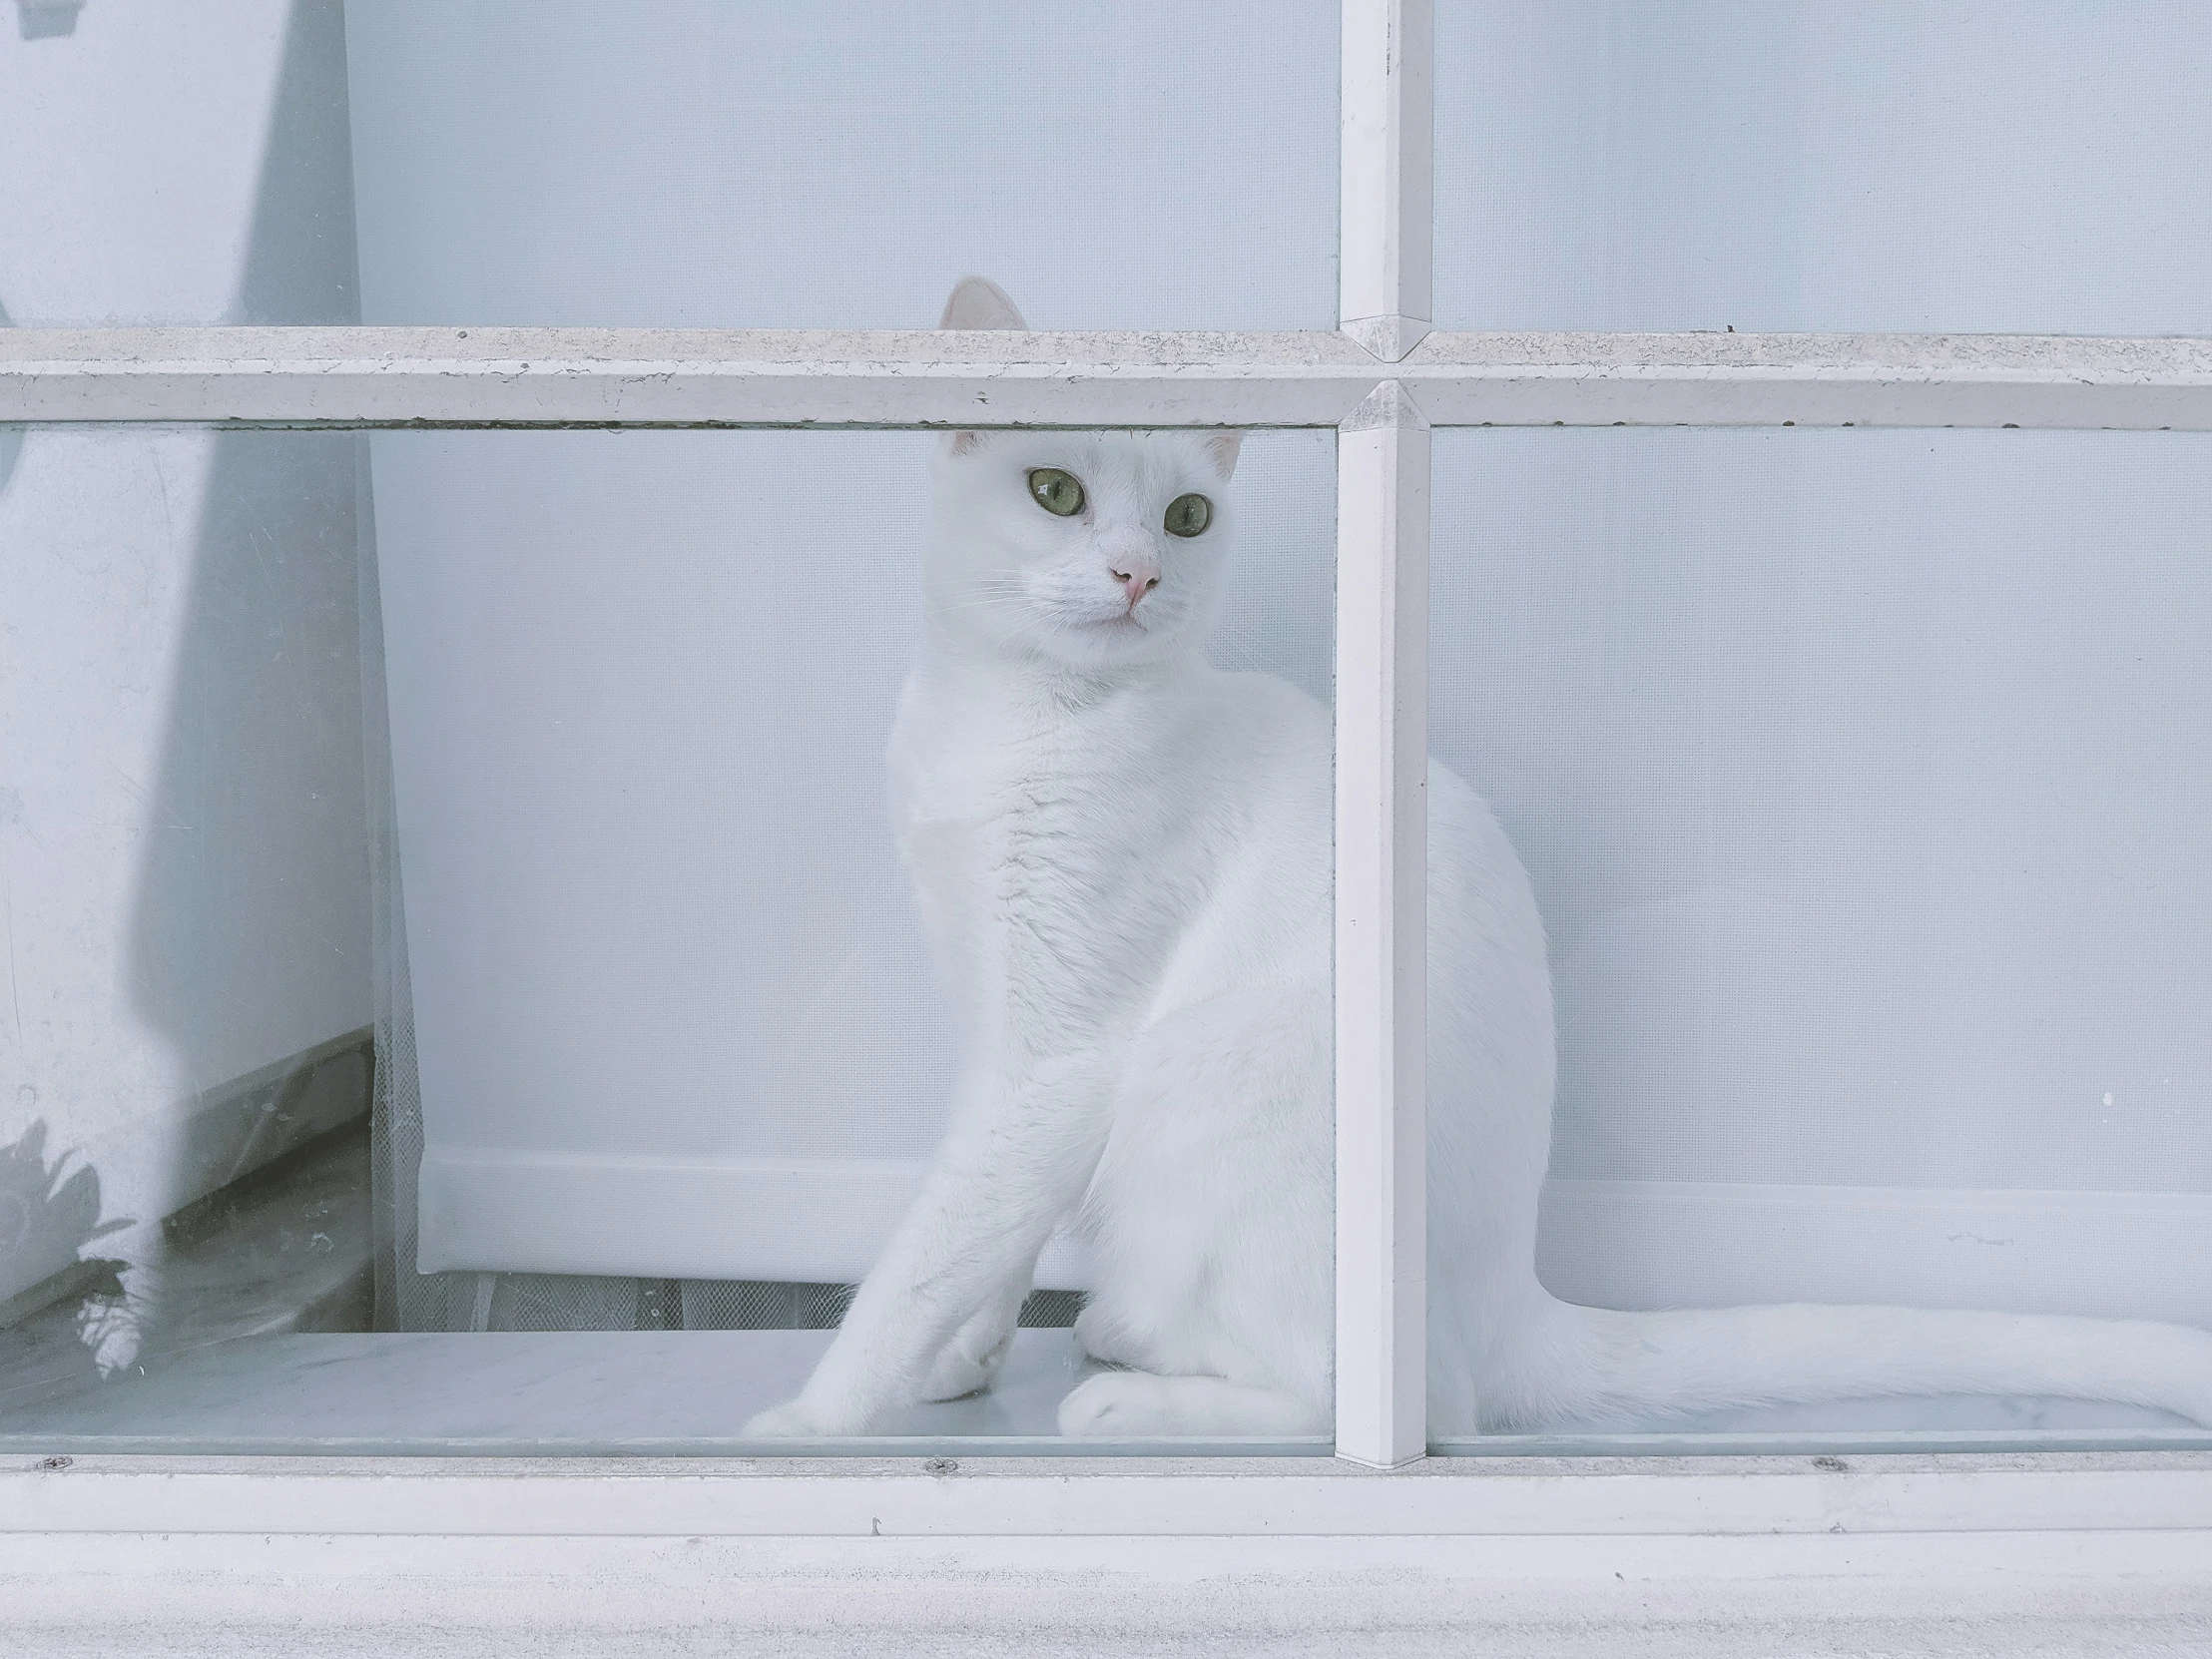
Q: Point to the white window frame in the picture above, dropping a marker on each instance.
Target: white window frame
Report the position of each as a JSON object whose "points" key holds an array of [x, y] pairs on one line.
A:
{"points": [[1384, 379]]}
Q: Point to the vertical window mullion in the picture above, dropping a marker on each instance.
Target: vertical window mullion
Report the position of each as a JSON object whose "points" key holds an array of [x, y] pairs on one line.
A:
{"points": [[1383, 460], [1381, 928], [1383, 232]]}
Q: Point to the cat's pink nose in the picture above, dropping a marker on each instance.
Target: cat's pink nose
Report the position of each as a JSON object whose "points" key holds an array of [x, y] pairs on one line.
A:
{"points": [[1138, 574]]}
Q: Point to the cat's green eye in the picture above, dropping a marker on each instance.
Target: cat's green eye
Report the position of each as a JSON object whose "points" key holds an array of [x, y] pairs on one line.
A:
{"points": [[1187, 515], [1057, 492]]}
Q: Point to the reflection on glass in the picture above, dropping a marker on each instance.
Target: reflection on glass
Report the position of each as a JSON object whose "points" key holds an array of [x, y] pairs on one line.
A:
{"points": [[1860, 783], [185, 851]]}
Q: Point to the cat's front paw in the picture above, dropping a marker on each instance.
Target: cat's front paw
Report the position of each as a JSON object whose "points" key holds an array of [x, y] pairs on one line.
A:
{"points": [[1116, 1404], [788, 1421], [959, 1374]]}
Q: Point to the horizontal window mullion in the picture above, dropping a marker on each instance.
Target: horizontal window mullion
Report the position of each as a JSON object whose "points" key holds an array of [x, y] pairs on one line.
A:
{"points": [[690, 378], [553, 377]]}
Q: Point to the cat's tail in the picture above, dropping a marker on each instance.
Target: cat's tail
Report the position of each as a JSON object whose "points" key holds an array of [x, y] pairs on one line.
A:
{"points": [[1586, 1365]]}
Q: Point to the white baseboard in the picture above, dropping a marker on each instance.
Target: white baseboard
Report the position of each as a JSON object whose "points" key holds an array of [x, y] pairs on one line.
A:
{"points": [[1659, 1244], [1610, 1242], [813, 1221]]}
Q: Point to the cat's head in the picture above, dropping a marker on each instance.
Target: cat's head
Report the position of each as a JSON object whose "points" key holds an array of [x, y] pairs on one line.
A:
{"points": [[1093, 550]]}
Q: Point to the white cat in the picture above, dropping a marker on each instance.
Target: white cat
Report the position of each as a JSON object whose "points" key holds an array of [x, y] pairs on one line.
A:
{"points": [[1123, 857]]}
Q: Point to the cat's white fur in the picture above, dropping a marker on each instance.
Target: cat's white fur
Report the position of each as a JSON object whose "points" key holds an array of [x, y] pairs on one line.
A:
{"points": [[1123, 858]]}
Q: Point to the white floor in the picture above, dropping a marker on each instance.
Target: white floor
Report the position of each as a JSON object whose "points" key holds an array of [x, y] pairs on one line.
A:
{"points": [[531, 1389], [672, 1391]]}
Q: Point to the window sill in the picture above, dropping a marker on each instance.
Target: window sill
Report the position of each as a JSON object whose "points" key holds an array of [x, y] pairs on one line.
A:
{"points": [[1094, 1497], [1905, 1554]]}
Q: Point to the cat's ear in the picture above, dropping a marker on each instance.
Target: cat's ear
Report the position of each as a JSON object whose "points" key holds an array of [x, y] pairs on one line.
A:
{"points": [[979, 303], [1223, 446]]}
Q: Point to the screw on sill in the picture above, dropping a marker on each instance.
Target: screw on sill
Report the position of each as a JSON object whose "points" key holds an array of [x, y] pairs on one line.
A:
{"points": [[55, 1462], [1834, 1465], [942, 1465]]}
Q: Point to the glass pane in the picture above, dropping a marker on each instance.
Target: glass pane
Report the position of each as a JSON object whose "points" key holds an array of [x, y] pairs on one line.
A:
{"points": [[174, 164], [668, 161], [2033, 167], [551, 1083], [694, 162], [1861, 786]]}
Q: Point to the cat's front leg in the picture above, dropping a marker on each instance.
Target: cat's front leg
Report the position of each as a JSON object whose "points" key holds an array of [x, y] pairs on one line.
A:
{"points": [[1018, 1156]]}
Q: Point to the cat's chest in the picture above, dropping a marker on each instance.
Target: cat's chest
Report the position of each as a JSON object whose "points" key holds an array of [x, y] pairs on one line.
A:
{"points": [[1057, 835], [1032, 803]]}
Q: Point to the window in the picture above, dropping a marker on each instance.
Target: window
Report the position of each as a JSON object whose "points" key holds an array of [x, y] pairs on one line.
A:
{"points": [[1796, 787]]}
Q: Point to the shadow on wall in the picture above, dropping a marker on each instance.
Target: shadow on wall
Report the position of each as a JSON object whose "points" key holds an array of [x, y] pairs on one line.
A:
{"points": [[44, 19], [250, 939], [252, 903]]}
